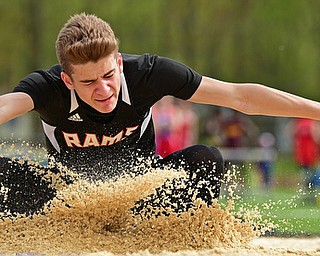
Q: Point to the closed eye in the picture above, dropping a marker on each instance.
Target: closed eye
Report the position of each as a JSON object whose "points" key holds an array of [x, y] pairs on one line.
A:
{"points": [[109, 74], [88, 82]]}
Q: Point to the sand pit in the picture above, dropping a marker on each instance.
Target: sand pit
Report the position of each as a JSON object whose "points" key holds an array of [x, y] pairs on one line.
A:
{"points": [[95, 219], [99, 224], [303, 244], [263, 246]]}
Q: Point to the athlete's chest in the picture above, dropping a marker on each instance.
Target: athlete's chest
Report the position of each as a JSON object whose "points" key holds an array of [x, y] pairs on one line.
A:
{"points": [[76, 129], [81, 130]]}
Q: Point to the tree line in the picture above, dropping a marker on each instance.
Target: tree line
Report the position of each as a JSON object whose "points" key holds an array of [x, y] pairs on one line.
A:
{"points": [[275, 42]]}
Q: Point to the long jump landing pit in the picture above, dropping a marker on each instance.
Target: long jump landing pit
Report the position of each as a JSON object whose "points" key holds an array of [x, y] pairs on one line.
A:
{"points": [[264, 246], [95, 219], [99, 223]]}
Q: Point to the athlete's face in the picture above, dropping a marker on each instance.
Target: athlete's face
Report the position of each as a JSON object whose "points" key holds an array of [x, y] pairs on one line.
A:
{"points": [[97, 83]]}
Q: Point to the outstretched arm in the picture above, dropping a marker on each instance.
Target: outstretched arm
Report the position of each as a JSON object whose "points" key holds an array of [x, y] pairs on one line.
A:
{"points": [[13, 105], [255, 99]]}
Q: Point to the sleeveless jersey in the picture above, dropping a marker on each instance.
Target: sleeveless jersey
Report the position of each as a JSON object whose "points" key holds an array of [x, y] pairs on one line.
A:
{"points": [[90, 142]]}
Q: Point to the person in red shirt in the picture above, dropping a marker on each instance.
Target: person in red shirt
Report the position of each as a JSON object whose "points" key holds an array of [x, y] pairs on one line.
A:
{"points": [[306, 146]]}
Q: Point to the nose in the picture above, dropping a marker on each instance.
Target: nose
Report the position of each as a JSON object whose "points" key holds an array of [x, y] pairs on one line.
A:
{"points": [[102, 87]]}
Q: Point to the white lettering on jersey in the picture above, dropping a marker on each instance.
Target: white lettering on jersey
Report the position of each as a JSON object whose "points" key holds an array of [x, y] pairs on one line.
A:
{"points": [[91, 140], [72, 139], [108, 141], [130, 130]]}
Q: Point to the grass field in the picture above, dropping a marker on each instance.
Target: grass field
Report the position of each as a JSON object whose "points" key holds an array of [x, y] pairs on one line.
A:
{"points": [[285, 203], [293, 213]]}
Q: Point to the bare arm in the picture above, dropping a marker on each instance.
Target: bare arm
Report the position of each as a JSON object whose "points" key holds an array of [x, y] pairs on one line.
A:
{"points": [[13, 105], [255, 99]]}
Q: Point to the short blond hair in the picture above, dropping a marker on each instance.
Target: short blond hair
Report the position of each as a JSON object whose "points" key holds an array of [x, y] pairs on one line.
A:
{"points": [[84, 38]]}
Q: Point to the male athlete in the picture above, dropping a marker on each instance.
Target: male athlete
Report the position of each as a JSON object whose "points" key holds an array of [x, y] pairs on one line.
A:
{"points": [[95, 108]]}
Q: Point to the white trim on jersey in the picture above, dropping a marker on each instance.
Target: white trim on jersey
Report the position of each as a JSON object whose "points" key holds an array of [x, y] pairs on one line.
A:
{"points": [[126, 99], [125, 91], [74, 102], [145, 122], [49, 131]]}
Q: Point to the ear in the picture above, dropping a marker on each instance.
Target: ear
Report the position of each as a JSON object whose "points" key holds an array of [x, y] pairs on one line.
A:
{"points": [[119, 62], [67, 80]]}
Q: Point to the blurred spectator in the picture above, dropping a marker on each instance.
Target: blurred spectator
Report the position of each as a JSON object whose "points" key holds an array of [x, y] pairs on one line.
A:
{"points": [[306, 147], [237, 131], [233, 132], [175, 125], [212, 127], [187, 126], [231, 129], [265, 166]]}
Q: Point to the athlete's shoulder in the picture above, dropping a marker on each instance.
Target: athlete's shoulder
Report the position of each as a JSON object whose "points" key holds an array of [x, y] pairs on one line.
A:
{"points": [[134, 63], [151, 62], [50, 75], [42, 76], [43, 86]]}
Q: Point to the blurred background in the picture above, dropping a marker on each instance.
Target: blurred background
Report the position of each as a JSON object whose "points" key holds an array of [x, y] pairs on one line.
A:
{"points": [[273, 42]]}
